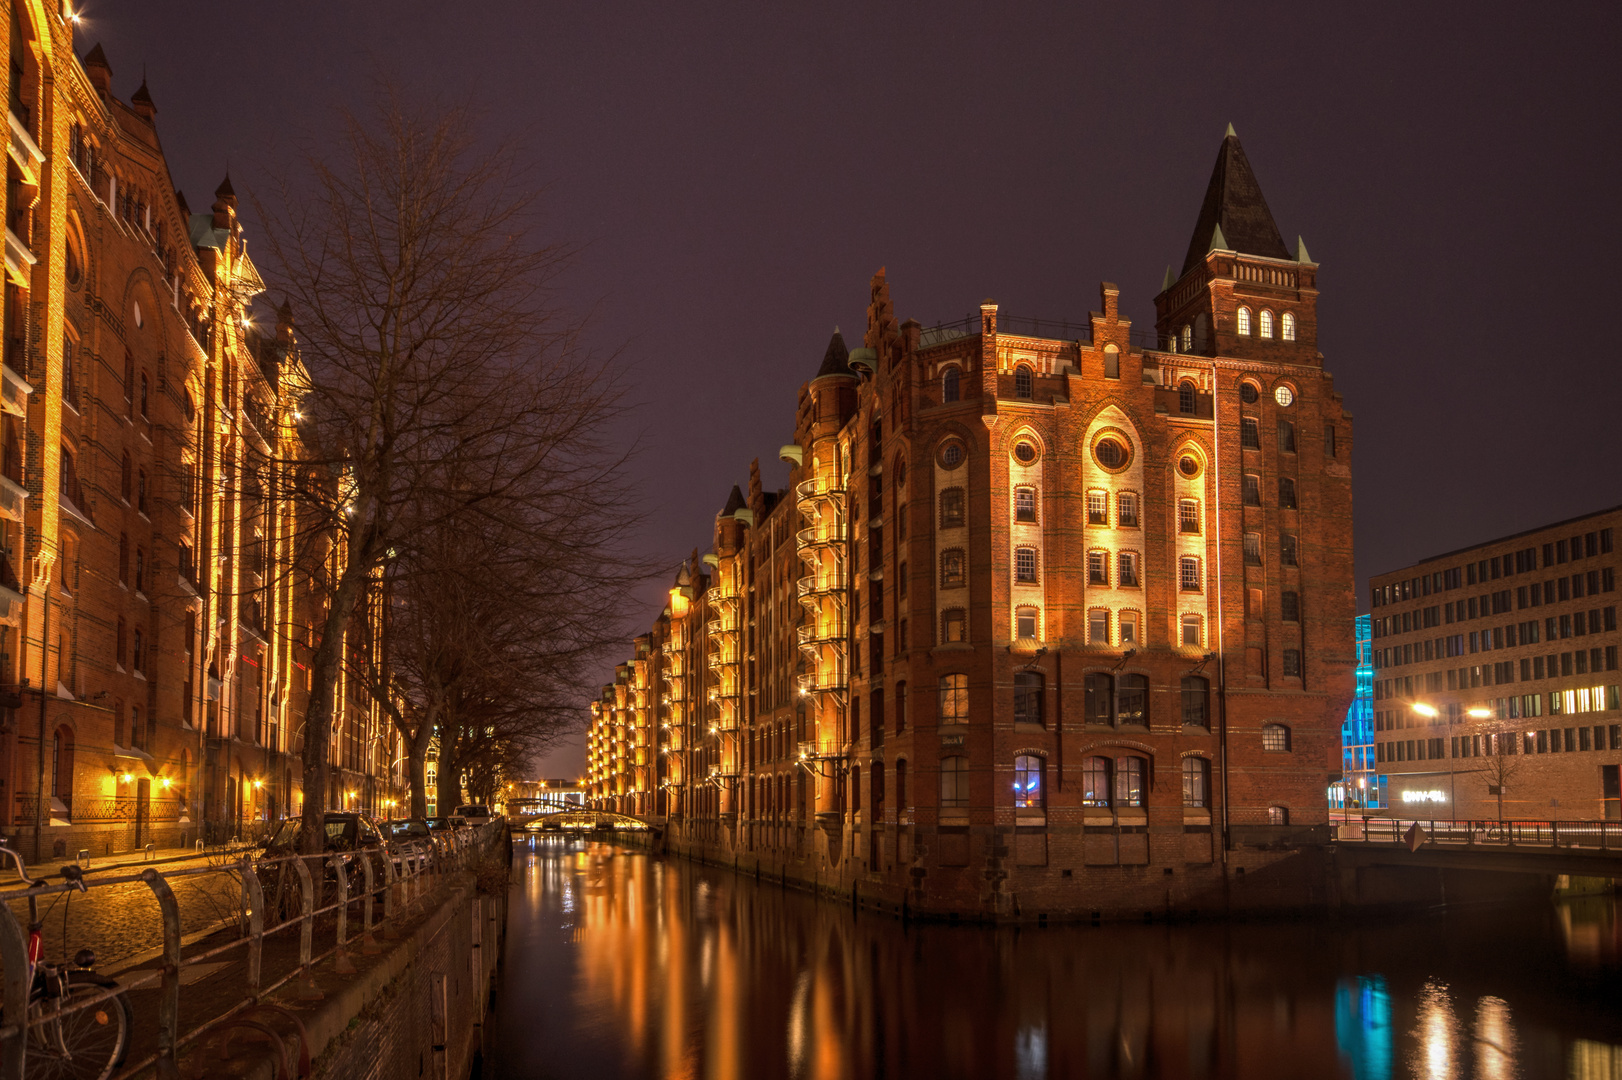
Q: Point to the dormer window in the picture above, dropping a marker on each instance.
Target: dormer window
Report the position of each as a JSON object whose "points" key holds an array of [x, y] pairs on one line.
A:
{"points": [[1286, 326], [1244, 321], [1264, 323]]}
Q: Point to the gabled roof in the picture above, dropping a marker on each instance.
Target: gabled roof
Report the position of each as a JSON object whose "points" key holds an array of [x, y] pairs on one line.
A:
{"points": [[1234, 216], [836, 361]]}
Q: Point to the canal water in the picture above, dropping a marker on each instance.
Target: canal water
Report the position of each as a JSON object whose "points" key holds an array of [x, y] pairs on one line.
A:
{"points": [[620, 964]]}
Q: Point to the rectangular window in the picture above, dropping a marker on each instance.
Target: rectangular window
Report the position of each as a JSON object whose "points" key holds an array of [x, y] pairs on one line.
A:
{"points": [[1329, 440], [1098, 627], [1025, 623], [1188, 573], [1126, 569], [1253, 490], [1126, 510], [1286, 437], [1025, 504], [1286, 550], [952, 508], [1250, 436], [1253, 549], [1097, 508], [1097, 568], [1291, 607], [1188, 515], [1191, 630], [953, 625], [1129, 628], [1025, 565], [1292, 663], [1286, 493]]}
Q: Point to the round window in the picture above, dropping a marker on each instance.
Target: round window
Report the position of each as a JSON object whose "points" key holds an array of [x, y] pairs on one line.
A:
{"points": [[1283, 395], [136, 304], [1189, 465], [1110, 453], [952, 455], [1025, 452], [1247, 393]]}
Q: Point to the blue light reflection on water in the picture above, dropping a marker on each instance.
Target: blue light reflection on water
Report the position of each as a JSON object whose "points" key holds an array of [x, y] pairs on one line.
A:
{"points": [[623, 965]]}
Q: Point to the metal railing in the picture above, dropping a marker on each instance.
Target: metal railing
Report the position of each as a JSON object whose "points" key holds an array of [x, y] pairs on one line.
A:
{"points": [[1486, 832], [408, 871]]}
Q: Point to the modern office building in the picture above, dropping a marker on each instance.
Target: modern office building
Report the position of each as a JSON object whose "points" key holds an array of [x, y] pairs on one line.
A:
{"points": [[1495, 686], [1051, 617], [1360, 787]]}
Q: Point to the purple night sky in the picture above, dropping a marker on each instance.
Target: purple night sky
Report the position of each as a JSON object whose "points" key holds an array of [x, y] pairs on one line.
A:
{"points": [[737, 172]]}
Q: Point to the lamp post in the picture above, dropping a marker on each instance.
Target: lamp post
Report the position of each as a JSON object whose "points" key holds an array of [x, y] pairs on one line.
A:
{"points": [[1431, 712]]}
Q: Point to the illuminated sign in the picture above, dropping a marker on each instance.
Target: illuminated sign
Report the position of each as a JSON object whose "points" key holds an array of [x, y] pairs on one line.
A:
{"points": [[1424, 796]]}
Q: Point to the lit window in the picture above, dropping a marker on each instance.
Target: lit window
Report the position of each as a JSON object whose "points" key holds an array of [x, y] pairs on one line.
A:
{"points": [[1196, 782], [1126, 569], [1244, 321], [1188, 515], [1129, 627], [1253, 549], [1188, 338], [1278, 815], [1126, 510], [1097, 508], [954, 699], [1098, 627], [1025, 623], [1028, 781], [1095, 781], [1025, 504], [1286, 324], [1129, 781], [1185, 398], [952, 508], [953, 626], [1098, 568], [1022, 382], [1188, 573], [954, 781], [952, 576], [949, 385], [1192, 630], [1025, 565], [1264, 323], [1275, 737]]}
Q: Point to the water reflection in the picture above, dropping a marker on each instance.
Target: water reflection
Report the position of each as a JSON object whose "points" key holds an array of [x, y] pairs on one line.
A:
{"points": [[623, 965]]}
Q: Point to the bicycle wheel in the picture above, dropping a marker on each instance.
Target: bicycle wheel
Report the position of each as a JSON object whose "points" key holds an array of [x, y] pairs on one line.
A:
{"points": [[85, 1045]]}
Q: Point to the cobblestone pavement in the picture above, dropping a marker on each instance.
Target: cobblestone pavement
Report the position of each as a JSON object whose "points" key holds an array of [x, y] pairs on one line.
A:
{"points": [[122, 920]]}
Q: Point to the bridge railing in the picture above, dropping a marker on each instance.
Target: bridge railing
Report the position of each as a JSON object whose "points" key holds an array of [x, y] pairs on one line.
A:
{"points": [[1600, 835], [400, 875]]}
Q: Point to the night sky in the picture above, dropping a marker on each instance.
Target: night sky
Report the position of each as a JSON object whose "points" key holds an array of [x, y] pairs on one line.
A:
{"points": [[737, 172]]}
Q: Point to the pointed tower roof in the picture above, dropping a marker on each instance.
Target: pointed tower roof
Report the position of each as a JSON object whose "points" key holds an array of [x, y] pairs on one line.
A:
{"points": [[836, 361], [734, 502], [1234, 209], [96, 58], [225, 191]]}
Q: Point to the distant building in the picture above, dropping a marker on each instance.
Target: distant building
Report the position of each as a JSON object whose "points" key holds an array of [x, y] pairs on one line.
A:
{"points": [[1361, 787], [1496, 677], [1051, 611]]}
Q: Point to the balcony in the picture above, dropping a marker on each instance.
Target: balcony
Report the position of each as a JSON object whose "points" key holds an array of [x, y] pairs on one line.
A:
{"points": [[19, 260], [25, 153], [830, 680], [12, 496], [14, 385], [829, 581]]}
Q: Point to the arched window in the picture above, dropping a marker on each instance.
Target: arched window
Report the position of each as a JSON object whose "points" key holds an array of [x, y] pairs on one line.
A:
{"points": [[1243, 321], [1132, 706], [1286, 325], [1196, 695], [949, 385], [1023, 382], [1028, 688], [1185, 398], [1112, 362], [62, 765], [954, 692], [954, 781], [124, 473], [1028, 793], [952, 575], [1275, 737], [1129, 781], [1196, 782], [1099, 707], [1278, 815], [1264, 323], [1095, 781], [1188, 338]]}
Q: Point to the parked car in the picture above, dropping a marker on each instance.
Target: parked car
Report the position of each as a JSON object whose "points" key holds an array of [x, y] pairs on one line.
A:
{"points": [[444, 824], [279, 880], [409, 829], [345, 832], [475, 814]]}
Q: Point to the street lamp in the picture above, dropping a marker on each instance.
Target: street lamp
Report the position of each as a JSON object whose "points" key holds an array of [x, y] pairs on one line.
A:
{"points": [[1431, 712]]}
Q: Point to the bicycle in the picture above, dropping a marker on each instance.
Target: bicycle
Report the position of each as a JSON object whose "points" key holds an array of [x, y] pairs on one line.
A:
{"points": [[67, 1043]]}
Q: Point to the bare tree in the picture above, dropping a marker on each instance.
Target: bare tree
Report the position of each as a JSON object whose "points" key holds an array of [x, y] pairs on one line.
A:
{"points": [[1502, 765], [446, 393]]}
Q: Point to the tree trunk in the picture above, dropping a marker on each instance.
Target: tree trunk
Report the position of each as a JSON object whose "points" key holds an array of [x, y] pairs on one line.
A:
{"points": [[450, 787], [324, 668], [417, 753]]}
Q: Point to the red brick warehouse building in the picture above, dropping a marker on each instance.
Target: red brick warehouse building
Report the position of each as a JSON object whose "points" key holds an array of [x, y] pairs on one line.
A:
{"points": [[1051, 618]]}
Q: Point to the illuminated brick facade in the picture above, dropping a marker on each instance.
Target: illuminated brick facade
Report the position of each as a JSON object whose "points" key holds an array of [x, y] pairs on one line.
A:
{"points": [[144, 578], [1051, 618]]}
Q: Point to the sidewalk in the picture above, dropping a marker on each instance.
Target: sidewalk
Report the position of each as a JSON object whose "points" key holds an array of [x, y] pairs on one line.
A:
{"points": [[132, 861]]}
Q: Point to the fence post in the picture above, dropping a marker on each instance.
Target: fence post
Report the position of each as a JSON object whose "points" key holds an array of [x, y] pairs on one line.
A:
{"points": [[342, 963], [391, 879], [307, 988], [367, 945], [169, 992], [14, 961], [256, 922]]}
